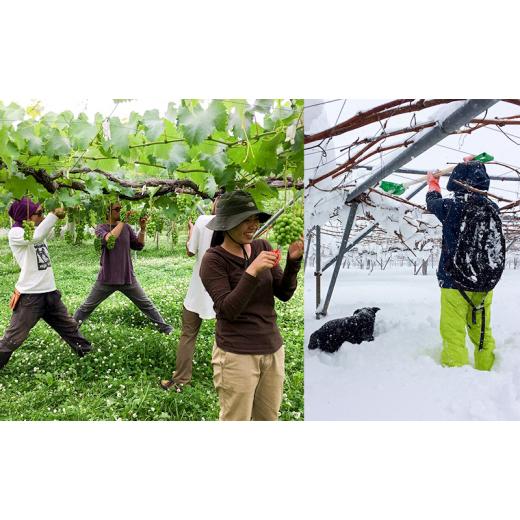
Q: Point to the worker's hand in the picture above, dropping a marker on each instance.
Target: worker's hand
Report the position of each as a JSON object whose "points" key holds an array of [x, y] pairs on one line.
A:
{"points": [[433, 182], [143, 222], [265, 260], [60, 213], [296, 249], [468, 158]]}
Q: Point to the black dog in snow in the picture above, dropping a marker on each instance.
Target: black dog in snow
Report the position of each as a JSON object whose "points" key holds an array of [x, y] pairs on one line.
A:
{"points": [[354, 329]]}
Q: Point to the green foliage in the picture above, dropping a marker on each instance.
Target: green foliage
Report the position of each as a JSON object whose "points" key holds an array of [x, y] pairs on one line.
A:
{"points": [[119, 380], [28, 229], [230, 144]]}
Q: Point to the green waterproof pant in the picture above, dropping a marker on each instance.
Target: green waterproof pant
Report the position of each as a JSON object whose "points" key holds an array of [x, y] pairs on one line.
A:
{"points": [[456, 316]]}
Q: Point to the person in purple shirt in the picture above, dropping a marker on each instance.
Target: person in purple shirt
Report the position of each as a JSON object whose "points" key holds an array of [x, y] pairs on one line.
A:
{"points": [[117, 272]]}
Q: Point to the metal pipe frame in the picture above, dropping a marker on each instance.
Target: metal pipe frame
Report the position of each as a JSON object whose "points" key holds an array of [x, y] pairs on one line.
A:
{"points": [[458, 118], [411, 171], [348, 227]]}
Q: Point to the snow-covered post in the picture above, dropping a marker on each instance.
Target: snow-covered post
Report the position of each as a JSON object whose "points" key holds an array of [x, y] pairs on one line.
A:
{"points": [[309, 239]]}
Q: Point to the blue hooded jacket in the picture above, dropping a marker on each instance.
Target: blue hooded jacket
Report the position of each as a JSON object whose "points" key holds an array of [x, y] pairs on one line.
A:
{"points": [[449, 211]]}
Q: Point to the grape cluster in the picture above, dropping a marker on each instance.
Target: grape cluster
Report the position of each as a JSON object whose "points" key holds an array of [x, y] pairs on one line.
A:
{"points": [[111, 242], [58, 227], [155, 224], [288, 229], [92, 218], [187, 207], [28, 229], [98, 244], [80, 232], [69, 238]]}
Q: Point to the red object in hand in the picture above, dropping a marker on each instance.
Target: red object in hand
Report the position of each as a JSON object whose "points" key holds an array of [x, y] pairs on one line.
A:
{"points": [[433, 183], [278, 256]]}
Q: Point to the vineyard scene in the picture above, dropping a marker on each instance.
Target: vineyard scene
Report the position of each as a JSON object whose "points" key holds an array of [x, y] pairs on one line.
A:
{"points": [[161, 166], [374, 242]]}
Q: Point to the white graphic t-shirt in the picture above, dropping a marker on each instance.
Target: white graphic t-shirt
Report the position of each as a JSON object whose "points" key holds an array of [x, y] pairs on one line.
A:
{"points": [[33, 258], [197, 298]]}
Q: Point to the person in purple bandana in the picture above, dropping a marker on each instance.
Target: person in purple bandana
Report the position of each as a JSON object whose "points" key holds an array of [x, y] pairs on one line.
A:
{"points": [[35, 294], [117, 272]]}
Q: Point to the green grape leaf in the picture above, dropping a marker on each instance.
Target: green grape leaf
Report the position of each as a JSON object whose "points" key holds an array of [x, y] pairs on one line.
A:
{"points": [[8, 150], [239, 124], [11, 114], [57, 144], [67, 199], [263, 191], [107, 165], [34, 144], [199, 124], [94, 184], [63, 119], [19, 186], [214, 163], [267, 155], [245, 157], [171, 113], [172, 155], [263, 105], [120, 133], [154, 125], [226, 178], [82, 133]]}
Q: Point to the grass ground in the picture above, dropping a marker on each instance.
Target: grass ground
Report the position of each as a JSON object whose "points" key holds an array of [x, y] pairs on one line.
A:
{"points": [[119, 380]]}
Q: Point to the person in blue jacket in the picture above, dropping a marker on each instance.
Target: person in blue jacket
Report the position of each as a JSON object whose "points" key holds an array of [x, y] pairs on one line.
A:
{"points": [[456, 312]]}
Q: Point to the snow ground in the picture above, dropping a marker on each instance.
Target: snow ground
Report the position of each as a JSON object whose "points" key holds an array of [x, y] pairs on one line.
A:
{"points": [[398, 376]]}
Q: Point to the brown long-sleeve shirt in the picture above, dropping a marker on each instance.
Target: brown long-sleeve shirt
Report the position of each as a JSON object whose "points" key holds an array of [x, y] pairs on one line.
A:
{"points": [[244, 304]]}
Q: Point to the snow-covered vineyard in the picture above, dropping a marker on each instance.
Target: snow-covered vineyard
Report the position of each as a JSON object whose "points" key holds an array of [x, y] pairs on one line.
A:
{"points": [[372, 243]]}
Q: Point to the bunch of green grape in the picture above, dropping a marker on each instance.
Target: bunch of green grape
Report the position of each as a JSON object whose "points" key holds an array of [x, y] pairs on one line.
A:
{"points": [[92, 218], [80, 232], [187, 207], [58, 227], [155, 224], [69, 238], [133, 218], [174, 235], [111, 242], [28, 229], [288, 228], [98, 244]]}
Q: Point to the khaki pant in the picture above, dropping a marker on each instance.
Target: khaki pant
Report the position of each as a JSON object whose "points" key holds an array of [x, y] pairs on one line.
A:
{"points": [[191, 323], [249, 386]]}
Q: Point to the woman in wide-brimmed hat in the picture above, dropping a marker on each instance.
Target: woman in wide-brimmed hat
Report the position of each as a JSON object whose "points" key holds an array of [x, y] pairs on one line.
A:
{"points": [[242, 277]]}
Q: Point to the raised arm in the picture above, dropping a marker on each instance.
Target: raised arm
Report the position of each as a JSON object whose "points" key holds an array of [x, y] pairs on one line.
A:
{"points": [[227, 302], [40, 233]]}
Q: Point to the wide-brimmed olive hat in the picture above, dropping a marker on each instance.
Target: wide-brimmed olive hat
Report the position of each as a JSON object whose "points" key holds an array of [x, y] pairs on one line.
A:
{"points": [[233, 208]]}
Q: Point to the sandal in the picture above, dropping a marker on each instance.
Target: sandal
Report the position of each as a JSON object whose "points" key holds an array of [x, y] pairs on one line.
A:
{"points": [[168, 384]]}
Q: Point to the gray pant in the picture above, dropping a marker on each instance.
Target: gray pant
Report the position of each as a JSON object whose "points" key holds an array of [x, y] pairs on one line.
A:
{"points": [[32, 307], [133, 291]]}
